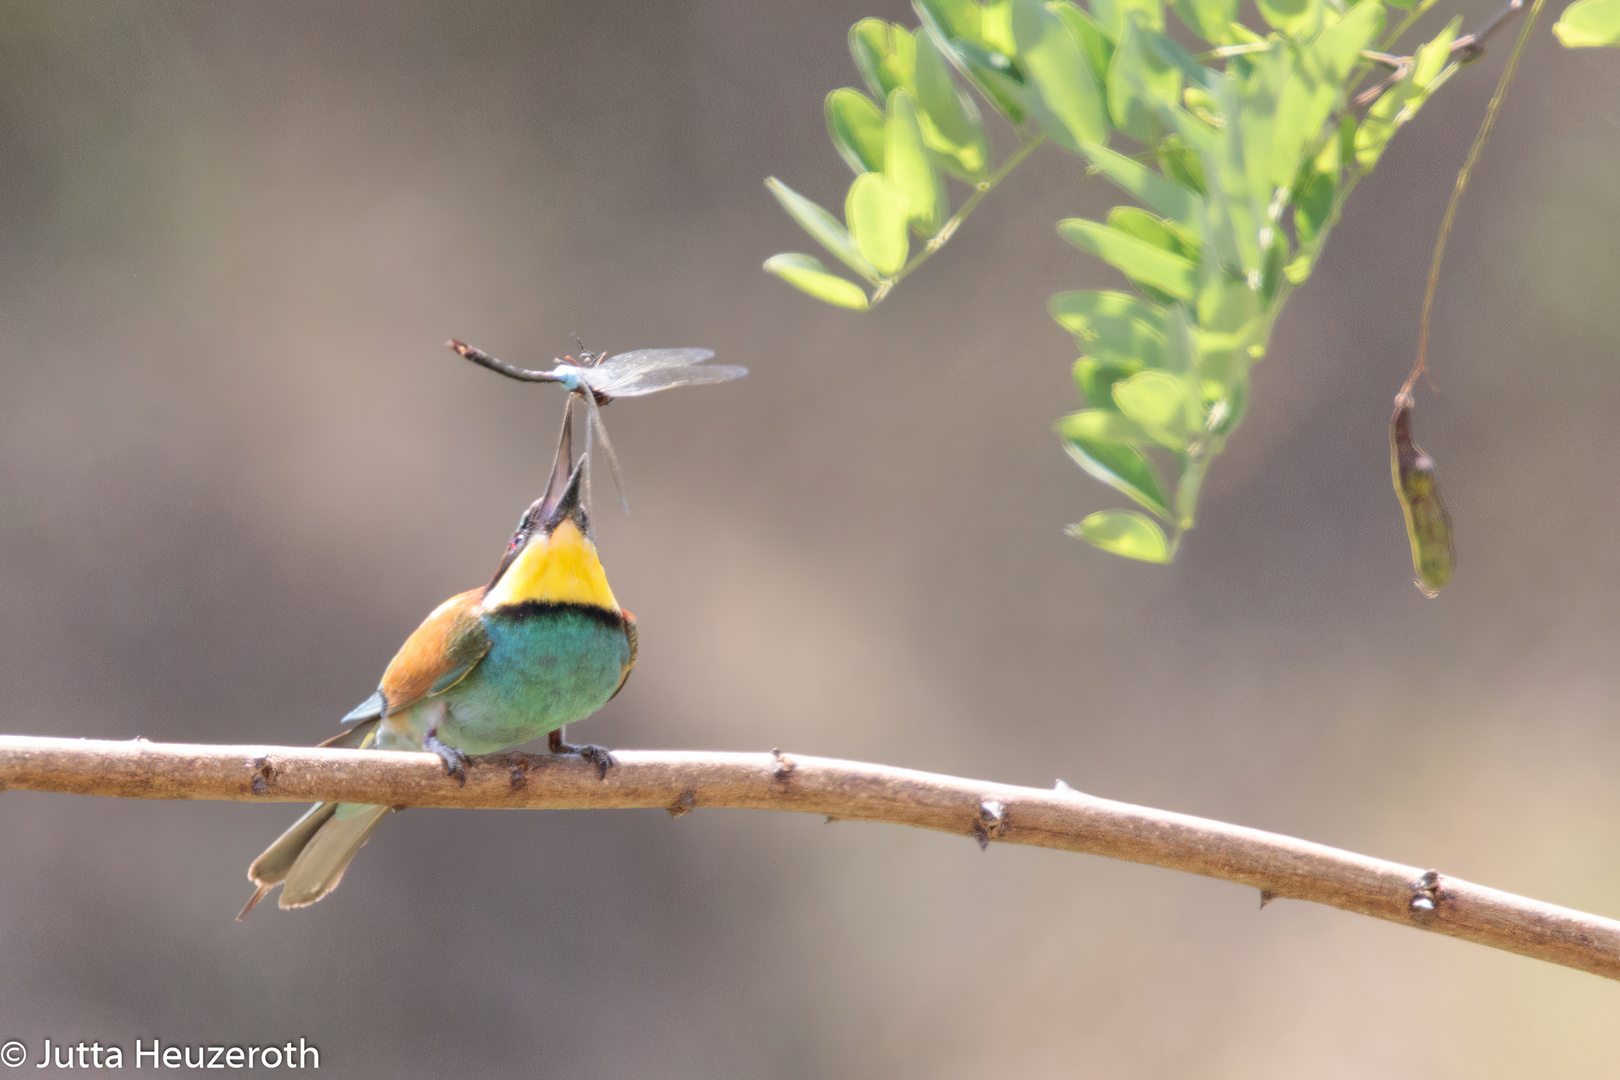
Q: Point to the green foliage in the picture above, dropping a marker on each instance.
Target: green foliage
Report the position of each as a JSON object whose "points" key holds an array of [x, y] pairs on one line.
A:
{"points": [[1589, 22], [1242, 159]]}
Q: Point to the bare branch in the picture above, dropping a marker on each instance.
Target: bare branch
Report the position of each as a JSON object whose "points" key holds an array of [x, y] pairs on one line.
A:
{"points": [[1278, 866]]}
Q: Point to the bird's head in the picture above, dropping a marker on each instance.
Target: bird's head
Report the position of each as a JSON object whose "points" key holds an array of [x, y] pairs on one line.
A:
{"points": [[551, 558]]}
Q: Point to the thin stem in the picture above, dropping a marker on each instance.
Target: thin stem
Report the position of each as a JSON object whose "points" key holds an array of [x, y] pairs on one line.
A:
{"points": [[1062, 818], [1422, 363], [947, 230]]}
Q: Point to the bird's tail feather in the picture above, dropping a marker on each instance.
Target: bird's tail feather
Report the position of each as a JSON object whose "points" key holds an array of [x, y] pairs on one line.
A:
{"points": [[312, 854]]}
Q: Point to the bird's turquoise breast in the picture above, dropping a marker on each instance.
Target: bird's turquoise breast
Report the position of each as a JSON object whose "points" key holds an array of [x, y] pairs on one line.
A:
{"points": [[548, 665]]}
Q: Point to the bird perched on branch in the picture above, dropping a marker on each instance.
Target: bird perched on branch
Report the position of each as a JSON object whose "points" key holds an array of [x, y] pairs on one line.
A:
{"points": [[542, 645]]}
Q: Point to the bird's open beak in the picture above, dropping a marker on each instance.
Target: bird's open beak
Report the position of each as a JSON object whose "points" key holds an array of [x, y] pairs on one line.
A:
{"points": [[560, 466], [569, 505]]}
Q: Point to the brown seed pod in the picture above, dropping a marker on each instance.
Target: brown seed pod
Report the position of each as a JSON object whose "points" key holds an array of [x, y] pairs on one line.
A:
{"points": [[1428, 526]]}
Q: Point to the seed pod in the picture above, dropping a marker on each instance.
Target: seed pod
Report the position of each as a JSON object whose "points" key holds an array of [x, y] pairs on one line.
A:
{"points": [[1428, 526]]}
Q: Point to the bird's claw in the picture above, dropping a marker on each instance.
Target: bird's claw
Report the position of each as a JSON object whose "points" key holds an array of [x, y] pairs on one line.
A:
{"points": [[599, 756], [455, 762]]}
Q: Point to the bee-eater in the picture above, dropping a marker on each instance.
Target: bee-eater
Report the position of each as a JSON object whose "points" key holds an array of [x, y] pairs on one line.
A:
{"points": [[542, 645]]}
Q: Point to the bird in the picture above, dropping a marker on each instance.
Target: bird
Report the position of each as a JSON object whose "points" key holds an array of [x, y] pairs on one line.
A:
{"points": [[542, 645]]}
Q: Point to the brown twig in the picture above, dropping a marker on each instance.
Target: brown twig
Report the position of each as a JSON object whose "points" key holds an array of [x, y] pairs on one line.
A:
{"points": [[1278, 866]]}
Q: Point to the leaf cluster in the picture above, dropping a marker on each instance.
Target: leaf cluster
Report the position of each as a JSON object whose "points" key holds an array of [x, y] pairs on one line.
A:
{"points": [[1237, 161]]}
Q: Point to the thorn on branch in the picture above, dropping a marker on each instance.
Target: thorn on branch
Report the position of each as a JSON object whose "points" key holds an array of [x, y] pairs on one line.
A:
{"points": [[684, 804], [265, 773], [1266, 897], [990, 823], [517, 770], [784, 765], [1426, 896]]}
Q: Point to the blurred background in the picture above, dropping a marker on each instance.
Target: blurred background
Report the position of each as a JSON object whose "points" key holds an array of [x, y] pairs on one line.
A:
{"points": [[237, 467]]}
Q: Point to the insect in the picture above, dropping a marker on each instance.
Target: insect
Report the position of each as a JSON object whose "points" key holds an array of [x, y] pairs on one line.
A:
{"points": [[597, 380]]}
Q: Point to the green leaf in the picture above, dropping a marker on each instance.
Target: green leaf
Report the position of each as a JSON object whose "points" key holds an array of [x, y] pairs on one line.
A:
{"points": [[957, 28], [1124, 532], [1095, 379], [1181, 163], [953, 18], [1155, 230], [1136, 259], [907, 166], [1210, 19], [1140, 82], [855, 124], [1112, 327], [1432, 57], [996, 26], [1098, 46], [950, 123], [1158, 401], [1313, 202], [1589, 22], [1113, 14], [1271, 276], [823, 228], [1171, 52], [1227, 307], [1251, 136], [1317, 83], [1156, 190], [1102, 425], [877, 214], [1065, 100], [886, 55], [806, 274], [1118, 464], [1233, 225], [1298, 19]]}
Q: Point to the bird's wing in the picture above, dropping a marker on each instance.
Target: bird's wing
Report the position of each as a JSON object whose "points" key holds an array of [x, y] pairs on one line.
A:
{"points": [[438, 654], [629, 636]]}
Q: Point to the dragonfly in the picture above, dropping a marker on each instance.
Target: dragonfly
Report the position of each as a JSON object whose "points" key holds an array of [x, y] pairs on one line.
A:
{"points": [[597, 379]]}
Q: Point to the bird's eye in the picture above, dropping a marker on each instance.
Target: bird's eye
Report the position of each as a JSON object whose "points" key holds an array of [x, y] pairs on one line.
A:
{"points": [[517, 538]]}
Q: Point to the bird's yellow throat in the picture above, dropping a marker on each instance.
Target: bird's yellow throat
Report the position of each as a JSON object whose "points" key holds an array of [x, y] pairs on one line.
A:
{"points": [[562, 568]]}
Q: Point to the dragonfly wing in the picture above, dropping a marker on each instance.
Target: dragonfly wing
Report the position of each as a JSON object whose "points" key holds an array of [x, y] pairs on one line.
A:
{"points": [[643, 359], [626, 368], [652, 380]]}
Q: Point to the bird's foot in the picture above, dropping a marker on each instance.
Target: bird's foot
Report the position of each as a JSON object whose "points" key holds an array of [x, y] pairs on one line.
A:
{"points": [[599, 756], [455, 762]]}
